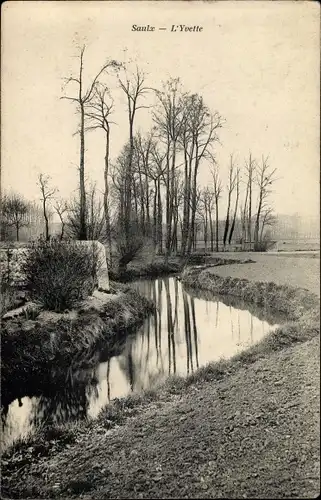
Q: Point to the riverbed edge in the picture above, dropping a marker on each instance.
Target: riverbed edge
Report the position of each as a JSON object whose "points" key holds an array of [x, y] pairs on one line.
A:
{"points": [[174, 266], [38, 345], [303, 325]]}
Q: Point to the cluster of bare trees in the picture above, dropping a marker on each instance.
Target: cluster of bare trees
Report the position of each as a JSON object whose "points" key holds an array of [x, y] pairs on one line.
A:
{"points": [[248, 212], [184, 132], [254, 181], [18, 213], [152, 190], [164, 165]]}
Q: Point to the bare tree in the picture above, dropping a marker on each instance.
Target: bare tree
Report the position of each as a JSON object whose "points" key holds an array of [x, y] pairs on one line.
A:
{"points": [[264, 179], [230, 187], [198, 137], [237, 182], [217, 186], [98, 115], [205, 135], [94, 216], [134, 88], [145, 169], [250, 167], [169, 119], [82, 97], [15, 212], [61, 208], [206, 206], [243, 217], [268, 219], [47, 194], [157, 172]]}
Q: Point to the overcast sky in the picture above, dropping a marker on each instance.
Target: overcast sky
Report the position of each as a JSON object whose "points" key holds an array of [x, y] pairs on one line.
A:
{"points": [[257, 63]]}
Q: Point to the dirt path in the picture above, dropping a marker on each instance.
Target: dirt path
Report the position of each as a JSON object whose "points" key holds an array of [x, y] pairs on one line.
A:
{"points": [[254, 434]]}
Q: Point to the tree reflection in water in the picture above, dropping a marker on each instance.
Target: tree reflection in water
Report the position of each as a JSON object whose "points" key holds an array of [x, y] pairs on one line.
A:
{"points": [[180, 314], [195, 331], [188, 329]]}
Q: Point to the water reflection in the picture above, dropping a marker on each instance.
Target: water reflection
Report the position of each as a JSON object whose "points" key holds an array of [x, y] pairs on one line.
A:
{"points": [[188, 329]]}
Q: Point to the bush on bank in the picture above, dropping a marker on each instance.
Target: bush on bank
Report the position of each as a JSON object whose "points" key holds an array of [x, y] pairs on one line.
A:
{"points": [[10, 276], [33, 348], [60, 273]]}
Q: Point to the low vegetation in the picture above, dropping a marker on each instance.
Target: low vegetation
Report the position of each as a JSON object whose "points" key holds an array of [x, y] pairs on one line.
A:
{"points": [[143, 268], [32, 348], [59, 274], [10, 274], [62, 319], [294, 302]]}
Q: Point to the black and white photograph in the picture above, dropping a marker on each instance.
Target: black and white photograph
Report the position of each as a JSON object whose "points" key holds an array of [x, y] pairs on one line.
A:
{"points": [[160, 249]]}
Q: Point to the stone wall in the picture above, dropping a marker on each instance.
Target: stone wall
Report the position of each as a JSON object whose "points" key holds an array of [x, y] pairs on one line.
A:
{"points": [[103, 277]]}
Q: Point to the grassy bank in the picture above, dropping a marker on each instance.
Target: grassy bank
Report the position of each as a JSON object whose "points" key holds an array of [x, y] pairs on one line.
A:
{"points": [[143, 270], [30, 349], [159, 267], [240, 428], [294, 302]]}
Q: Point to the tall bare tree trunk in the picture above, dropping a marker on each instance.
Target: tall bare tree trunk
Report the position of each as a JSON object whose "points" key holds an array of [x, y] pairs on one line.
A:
{"points": [[82, 98], [155, 228], [82, 208], [250, 170], [236, 206], [205, 228], [216, 222], [106, 199], [211, 231], [159, 219], [46, 219]]}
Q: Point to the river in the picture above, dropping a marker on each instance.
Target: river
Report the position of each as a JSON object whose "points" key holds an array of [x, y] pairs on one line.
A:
{"points": [[188, 329]]}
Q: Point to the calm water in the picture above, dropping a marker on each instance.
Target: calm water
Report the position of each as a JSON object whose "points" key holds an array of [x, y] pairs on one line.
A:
{"points": [[188, 330]]}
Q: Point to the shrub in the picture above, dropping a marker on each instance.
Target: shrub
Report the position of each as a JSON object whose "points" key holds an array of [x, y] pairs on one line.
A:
{"points": [[60, 273], [7, 295], [264, 245], [8, 292], [128, 248]]}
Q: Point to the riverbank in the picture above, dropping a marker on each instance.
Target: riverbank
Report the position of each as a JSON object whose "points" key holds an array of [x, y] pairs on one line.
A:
{"points": [[296, 303], [157, 267], [32, 349], [246, 427], [251, 435]]}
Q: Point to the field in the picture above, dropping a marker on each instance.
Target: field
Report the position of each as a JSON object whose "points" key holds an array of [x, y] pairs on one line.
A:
{"points": [[280, 245], [284, 269]]}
